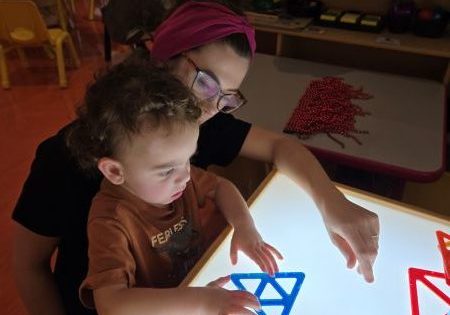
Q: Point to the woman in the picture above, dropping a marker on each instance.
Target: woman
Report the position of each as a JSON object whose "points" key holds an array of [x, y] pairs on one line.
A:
{"points": [[210, 48]]}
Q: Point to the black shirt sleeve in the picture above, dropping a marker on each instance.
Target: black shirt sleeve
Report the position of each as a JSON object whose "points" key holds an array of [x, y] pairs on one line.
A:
{"points": [[220, 141], [55, 190], [36, 207]]}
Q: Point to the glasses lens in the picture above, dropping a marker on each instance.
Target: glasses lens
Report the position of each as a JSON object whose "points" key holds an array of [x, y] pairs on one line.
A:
{"points": [[230, 102], [205, 87]]}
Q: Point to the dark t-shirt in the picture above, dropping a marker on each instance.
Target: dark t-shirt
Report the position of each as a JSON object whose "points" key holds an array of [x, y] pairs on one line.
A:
{"points": [[56, 197]]}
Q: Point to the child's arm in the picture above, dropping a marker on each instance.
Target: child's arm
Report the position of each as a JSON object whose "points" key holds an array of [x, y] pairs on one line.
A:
{"points": [[32, 272], [119, 300], [245, 237]]}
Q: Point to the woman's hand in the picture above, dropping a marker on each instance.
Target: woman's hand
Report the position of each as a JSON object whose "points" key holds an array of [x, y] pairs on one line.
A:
{"points": [[353, 229], [248, 240], [355, 232]]}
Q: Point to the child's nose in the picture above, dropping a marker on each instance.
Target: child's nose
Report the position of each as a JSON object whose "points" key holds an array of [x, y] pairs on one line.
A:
{"points": [[185, 176]]}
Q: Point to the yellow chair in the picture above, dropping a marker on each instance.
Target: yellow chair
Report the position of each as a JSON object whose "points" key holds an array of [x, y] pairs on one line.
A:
{"points": [[3, 69], [91, 9], [4, 78], [62, 14], [72, 6], [23, 26]]}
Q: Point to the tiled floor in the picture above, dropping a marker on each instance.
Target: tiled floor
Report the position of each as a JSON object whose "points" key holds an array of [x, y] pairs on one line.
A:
{"points": [[33, 109]]}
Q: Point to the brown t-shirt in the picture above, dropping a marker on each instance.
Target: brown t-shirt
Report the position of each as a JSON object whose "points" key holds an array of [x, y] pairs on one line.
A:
{"points": [[139, 245]]}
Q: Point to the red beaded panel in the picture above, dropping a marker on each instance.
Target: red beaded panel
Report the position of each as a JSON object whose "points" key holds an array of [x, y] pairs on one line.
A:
{"points": [[326, 107]]}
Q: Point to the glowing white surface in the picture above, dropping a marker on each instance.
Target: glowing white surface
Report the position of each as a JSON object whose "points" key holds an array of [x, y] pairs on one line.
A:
{"points": [[288, 219]]}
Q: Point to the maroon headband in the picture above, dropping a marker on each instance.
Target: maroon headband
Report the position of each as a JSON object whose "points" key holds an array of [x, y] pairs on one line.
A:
{"points": [[194, 24]]}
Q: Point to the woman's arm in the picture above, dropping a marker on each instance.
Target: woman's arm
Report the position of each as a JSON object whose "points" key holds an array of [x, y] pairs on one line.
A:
{"points": [[32, 271], [119, 300], [351, 227]]}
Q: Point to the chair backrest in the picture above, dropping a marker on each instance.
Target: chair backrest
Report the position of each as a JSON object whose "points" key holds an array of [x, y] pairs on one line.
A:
{"points": [[21, 23]]}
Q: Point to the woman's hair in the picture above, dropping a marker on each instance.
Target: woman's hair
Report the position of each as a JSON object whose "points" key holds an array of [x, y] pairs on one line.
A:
{"points": [[237, 41], [188, 26], [122, 102]]}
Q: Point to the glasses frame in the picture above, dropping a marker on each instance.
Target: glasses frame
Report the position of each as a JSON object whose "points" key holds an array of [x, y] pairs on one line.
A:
{"points": [[220, 94]]}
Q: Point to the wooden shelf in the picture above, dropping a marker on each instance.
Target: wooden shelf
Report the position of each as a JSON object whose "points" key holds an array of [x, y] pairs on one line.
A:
{"points": [[408, 43]]}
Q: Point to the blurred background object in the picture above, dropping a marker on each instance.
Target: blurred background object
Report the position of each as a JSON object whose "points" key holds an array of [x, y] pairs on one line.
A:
{"points": [[128, 21], [401, 15], [23, 27], [304, 8], [266, 5], [431, 22]]}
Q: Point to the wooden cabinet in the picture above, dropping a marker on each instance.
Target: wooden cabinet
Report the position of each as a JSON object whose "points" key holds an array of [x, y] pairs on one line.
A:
{"points": [[398, 53]]}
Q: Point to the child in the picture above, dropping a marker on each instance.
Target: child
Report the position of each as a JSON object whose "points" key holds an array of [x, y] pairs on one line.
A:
{"points": [[154, 215]]}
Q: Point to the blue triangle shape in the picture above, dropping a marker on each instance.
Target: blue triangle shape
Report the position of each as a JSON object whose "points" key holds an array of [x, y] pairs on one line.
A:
{"points": [[287, 299]]}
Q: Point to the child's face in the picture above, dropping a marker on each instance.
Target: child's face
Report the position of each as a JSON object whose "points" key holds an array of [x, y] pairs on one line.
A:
{"points": [[156, 165]]}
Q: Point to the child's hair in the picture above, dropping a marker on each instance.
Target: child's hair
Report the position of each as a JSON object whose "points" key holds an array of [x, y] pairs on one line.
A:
{"points": [[120, 103]]}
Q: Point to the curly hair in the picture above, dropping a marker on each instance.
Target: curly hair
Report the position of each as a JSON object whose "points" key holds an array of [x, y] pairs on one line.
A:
{"points": [[121, 102]]}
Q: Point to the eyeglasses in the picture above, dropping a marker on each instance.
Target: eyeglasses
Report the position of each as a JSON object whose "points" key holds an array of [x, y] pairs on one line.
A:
{"points": [[207, 88]]}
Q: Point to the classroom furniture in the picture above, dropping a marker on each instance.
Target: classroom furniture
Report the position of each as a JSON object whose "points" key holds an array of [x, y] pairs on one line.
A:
{"points": [[22, 26], [406, 125], [287, 218], [403, 53]]}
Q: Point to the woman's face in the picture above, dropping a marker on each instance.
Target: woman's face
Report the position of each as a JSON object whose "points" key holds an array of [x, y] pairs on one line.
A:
{"points": [[222, 63]]}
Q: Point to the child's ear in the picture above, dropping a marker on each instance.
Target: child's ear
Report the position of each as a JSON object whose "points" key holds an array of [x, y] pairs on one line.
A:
{"points": [[112, 170]]}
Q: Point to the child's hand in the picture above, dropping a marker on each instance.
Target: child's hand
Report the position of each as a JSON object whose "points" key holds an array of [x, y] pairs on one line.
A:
{"points": [[219, 282], [223, 302], [248, 240]]}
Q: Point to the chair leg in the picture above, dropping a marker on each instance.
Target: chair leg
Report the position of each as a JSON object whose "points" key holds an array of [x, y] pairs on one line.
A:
{"points": [[61, 14], [91, 9], [22, 57], [72, 6], [49, 52], [4, 69], [73, 52], [60, 62]]}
